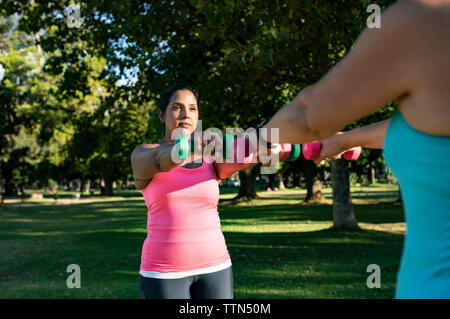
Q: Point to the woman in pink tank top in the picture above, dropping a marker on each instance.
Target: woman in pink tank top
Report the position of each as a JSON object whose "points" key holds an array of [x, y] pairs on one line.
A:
{"points": [[185, 254]]}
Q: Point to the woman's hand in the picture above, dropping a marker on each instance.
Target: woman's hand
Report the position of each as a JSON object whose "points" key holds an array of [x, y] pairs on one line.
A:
{"points": [[207, 144], [274, 150], [332, 148]]}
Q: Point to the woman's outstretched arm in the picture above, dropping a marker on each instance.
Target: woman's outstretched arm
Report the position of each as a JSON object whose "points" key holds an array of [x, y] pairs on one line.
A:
{"points": [[369, 136], [380, 68]]}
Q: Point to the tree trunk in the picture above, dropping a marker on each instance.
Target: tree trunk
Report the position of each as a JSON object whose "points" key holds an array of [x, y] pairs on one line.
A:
{"points": [[296, 180], [10, 188], [371, 173], [246, 189], [286, 176], [2, 203], [280, 180], [107, 190], [85, 186], [313, 183], [343, 215], [272, 181], [388, 174]]}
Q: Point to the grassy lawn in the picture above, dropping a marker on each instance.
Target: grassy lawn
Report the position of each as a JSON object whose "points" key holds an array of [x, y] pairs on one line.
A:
{"points": [[280, 248]]}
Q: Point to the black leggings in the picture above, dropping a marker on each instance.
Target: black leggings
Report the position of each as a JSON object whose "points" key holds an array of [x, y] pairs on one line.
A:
{"points": [[216, 285]]}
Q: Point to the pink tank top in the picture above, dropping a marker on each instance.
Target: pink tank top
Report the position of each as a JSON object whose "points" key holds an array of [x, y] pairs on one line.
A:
{"points": [[183, 222]]}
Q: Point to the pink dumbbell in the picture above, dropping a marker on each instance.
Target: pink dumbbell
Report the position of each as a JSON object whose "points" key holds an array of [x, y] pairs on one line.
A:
{"points": [[311, 151], [239, 154]]}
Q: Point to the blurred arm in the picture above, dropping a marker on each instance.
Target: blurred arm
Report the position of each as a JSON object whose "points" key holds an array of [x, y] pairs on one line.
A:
{"points": [[378, 69], [369, 136]]}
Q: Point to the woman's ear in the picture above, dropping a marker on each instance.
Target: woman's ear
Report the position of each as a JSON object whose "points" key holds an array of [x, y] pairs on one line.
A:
{"points": [[161, 115]]}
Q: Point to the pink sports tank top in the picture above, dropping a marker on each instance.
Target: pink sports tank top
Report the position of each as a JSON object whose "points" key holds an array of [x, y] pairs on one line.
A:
{"points": [[183, 222]]}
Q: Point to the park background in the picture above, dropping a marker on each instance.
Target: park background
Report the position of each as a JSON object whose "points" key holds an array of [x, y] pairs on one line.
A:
{"points": [[79, 92]]}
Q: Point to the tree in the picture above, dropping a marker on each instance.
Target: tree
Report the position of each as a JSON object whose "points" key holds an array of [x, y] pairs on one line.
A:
{"points": [[105, 121], [25, 105], [245, 58]]}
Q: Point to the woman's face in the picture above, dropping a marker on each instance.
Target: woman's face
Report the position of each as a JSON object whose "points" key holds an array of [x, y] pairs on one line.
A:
{"points": [[181, 112]]}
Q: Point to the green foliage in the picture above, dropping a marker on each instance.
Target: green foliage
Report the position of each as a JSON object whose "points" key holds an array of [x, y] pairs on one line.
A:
{"points": [[103, 141], [245, 58], [25, 107]]}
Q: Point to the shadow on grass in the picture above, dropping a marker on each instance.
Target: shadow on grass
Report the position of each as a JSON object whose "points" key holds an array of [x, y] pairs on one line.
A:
{"points": [[370, 213], [372, 195], [321, 264]]}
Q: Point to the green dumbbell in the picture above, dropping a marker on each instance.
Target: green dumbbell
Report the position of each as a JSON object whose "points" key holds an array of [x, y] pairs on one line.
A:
{"points": [[290, 152], [181, 143]]}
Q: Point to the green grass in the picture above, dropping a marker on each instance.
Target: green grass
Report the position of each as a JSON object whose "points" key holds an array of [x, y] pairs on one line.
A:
{"points": [[280, 248]]}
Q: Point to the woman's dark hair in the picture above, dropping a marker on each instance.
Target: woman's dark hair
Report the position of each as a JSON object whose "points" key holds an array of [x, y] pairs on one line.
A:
{"points": [[167, 95]]}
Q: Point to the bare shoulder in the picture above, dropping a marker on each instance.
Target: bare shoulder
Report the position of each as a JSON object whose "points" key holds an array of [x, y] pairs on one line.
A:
{"points": [[420, 15], [147, 146], [417, 6], [427, 107], [141, 165], [409, 19], [143, 148], [433, 3], [423, 29]]}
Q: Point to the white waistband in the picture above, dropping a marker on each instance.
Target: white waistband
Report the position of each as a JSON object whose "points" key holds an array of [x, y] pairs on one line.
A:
{"points": [[182, 274]]}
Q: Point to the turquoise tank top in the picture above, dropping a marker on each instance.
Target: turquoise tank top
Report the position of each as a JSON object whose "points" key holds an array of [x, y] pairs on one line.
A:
{"points": [[421, 164]]}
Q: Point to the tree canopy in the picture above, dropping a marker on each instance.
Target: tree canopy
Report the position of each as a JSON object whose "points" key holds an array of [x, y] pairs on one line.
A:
{"points": [[91, 87]]}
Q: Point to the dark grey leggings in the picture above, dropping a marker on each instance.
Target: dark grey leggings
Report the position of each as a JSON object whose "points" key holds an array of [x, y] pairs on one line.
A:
{"points": [[216, 285]]}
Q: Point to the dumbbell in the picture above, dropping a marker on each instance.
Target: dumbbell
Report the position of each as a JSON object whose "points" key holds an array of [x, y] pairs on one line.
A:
{"points": [[185, 147], [290, 152], [231, 148], [311, 151]]}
